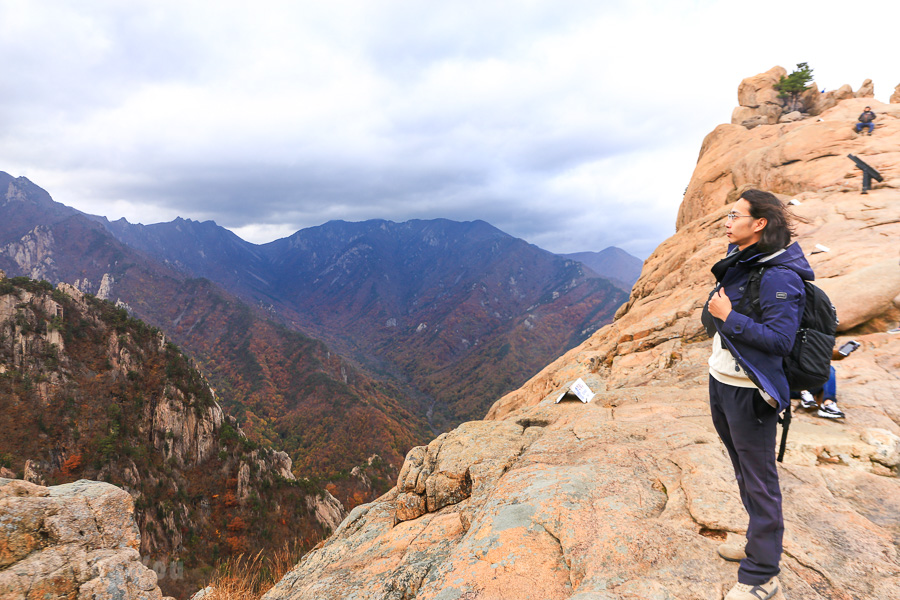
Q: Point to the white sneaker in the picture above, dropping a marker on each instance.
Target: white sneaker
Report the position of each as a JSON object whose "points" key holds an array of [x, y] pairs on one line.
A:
{"points": [[742, 591], [807, 400], [830, 410]]}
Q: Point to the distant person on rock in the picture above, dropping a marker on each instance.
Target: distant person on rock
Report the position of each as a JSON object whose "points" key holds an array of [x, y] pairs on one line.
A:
{"points": [[747, 384], [866, 119]]}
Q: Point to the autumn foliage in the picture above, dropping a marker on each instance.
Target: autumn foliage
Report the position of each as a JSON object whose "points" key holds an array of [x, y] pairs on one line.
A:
{"points": [[80, 381]]}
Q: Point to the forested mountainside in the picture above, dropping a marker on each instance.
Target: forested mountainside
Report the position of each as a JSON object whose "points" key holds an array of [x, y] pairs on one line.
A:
{"points": [[87, 392], [457, 313], [285, 388]]}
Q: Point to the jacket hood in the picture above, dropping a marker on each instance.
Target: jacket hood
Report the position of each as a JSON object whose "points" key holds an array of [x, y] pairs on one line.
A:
{"points": [[791, 257]]}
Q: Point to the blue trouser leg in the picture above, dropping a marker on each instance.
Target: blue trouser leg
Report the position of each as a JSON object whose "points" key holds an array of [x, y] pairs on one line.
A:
{"points": [[747, 426], [830, 388]]}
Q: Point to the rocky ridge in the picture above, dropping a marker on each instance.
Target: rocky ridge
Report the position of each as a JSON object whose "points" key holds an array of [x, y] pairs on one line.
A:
{"points": [[629, 495]]}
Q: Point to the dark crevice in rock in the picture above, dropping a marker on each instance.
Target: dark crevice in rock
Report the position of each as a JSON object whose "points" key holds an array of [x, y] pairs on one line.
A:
{"points": [[879, 224], [659, 486], [820, 157], [532, 422], [714, 534]]}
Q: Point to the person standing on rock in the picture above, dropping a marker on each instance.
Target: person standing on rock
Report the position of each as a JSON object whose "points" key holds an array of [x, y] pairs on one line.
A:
{"points": [[747, 384], [866, 119]]}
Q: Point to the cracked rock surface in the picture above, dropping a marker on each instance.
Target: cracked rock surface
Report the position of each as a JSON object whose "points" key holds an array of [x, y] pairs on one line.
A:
{"points": [[77, 540], [628, 496]]}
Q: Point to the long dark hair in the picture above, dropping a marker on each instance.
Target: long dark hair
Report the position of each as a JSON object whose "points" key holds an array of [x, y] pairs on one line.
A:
{"points": [[779, 221]]}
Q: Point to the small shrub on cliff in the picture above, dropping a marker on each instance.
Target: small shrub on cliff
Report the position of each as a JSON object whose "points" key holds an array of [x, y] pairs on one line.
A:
{"points": [[793, 85]]}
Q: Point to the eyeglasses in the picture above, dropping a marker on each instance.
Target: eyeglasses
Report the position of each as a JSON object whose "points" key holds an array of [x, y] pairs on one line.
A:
{"points": [[733, 215]]}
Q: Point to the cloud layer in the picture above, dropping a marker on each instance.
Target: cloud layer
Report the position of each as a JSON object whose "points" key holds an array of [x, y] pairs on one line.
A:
{"points": [[573, 125]]}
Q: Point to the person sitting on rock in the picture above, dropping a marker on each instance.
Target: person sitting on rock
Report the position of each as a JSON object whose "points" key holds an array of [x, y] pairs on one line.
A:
{"points": [[866, 119]]}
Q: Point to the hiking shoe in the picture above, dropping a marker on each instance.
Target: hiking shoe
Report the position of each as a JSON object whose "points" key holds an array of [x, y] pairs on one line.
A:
{"points": [[807, 400], [742, 591], [732, 552], [830, 410]]}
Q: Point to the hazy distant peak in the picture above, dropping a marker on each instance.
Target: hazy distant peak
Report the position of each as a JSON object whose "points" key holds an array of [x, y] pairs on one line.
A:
{"points": [[611, 263]]}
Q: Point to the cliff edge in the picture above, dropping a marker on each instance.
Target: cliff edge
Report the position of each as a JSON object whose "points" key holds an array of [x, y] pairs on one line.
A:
{"points": [[629, 495]]}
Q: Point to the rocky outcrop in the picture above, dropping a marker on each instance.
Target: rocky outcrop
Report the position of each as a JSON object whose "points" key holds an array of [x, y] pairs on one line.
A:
{"points": [[33, 253], [866, 90], [77, 541], [895, 97], [444, 472], [629, 495], [326, 509], [807, 156], [758, 101]]}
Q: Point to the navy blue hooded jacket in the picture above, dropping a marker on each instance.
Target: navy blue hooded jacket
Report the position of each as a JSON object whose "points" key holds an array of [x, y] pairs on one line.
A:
{"points": [[760, 343]]}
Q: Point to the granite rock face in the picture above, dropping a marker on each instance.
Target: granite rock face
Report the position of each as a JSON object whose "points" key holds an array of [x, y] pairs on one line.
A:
{"points": [[758, 100], [77, 540], [629, 495]]}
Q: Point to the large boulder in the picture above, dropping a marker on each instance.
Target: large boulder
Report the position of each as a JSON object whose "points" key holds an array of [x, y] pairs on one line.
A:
{"points": [[77, 540], [895, 97], [844, 92], [865, 293], [758, 100], [866, 90]]}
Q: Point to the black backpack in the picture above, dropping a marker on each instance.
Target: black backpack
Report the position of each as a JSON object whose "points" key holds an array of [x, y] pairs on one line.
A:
{"points": [[808, 366]]}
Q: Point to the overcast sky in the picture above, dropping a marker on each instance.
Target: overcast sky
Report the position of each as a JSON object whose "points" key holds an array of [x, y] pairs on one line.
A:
{"points": [[572, 124]]}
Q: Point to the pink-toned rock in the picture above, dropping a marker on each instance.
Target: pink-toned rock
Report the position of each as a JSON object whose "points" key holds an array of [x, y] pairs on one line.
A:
{"points": [[792, 158], [866, 90], [758, 100], [758, 90], [895, 97], [864, 293], [410, 506], [791, 117], [844, 92]]}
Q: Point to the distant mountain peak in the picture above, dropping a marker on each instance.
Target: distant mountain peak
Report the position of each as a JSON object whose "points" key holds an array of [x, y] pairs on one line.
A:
{"points": [[611, 263]]}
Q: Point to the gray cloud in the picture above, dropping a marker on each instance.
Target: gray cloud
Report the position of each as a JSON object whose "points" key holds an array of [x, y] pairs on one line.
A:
{"points": [[574, 125]]}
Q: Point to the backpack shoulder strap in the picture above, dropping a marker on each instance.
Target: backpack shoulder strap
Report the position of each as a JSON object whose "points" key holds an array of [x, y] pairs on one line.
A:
{"points": [[785, 425], [750, 300]]}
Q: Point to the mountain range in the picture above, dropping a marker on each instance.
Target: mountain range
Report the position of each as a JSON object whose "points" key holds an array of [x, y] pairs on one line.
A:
{"points": [[423, 324], [459, 313]]}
